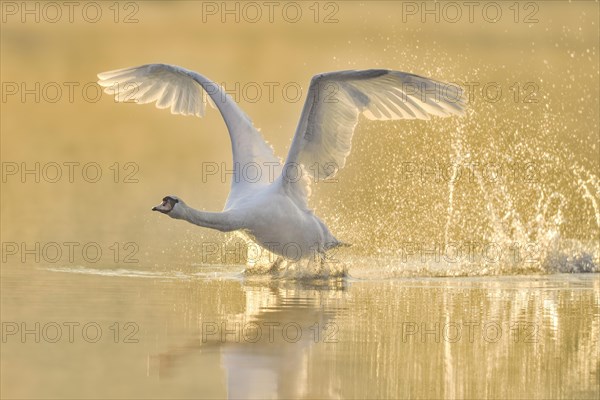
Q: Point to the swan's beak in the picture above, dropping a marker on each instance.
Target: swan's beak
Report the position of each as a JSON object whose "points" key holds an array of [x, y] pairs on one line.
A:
{"points": [[166, 206], [162, 207]]}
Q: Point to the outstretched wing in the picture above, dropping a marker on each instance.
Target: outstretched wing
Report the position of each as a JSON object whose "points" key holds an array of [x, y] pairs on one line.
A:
{"points": [[186, 92], [335, 100]]}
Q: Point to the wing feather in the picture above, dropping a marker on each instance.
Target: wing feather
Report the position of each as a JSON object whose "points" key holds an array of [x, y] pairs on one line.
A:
{"points": [[324, 133], [186, 92]]}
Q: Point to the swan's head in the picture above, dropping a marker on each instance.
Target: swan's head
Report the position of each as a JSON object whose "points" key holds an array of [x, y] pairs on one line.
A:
{"points": [[171, 205]]}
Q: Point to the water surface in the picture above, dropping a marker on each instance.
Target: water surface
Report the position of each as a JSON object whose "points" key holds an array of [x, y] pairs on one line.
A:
{"points": [[194, 336], [148, 307]]}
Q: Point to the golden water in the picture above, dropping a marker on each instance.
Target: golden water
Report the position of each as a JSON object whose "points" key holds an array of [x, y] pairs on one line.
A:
{"points": [[534, 331]]}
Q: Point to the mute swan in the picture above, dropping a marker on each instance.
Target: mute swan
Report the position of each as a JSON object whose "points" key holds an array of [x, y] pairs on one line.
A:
{"points": [[273, 209]]}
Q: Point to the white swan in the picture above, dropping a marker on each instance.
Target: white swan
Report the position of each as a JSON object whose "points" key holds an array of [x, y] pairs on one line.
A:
{"points": [[272, 209]]}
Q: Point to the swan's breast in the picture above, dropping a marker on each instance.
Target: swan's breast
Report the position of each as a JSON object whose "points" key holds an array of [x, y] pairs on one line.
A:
{"points": [[276, 222]]}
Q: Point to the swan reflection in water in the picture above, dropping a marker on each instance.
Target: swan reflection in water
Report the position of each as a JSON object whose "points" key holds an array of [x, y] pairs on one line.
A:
{"points": [[264, 351]]}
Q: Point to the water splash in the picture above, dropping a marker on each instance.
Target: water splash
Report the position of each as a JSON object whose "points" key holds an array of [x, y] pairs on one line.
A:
{"points": [[538, 232], [585, 179]]}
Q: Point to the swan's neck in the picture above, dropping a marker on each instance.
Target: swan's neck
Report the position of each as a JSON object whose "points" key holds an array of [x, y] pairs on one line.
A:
{"points": [[222, 221]]}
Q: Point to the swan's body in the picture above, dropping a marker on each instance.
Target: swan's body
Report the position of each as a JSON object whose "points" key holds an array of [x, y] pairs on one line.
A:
{"points": [[275, 212]]}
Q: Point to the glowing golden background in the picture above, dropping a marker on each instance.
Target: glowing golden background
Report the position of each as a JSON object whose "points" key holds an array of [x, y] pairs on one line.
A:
{"points": [[373, 204]]}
